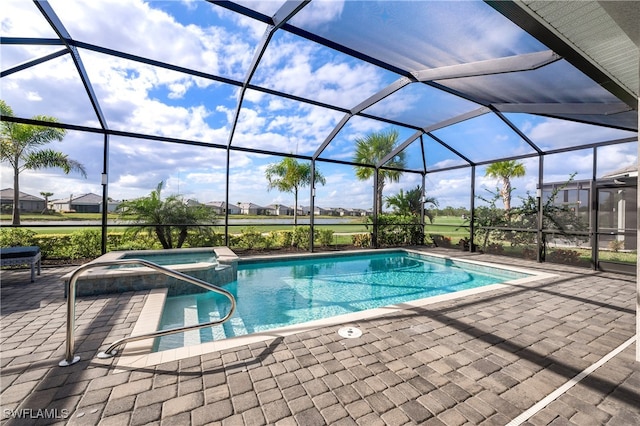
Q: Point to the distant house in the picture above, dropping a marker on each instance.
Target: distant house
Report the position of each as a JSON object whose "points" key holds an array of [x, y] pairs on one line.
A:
{"points": [[279, 210], [346, 212], [319, 211], [361, 212], [251, 209], [86, 203], [629, 174], [221, 207], [28, 203], [112, 205], [304, 210], [615, 201]]}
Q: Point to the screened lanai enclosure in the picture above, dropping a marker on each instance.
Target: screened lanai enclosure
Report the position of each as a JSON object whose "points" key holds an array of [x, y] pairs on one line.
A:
{"points": [[205, 96]]}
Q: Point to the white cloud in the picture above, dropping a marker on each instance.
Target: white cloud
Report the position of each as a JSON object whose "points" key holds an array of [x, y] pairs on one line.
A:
{"points": [[552, 133], [22, 19], [33, 96], [140, 28], [318, 13], [616, 157], [301, 68]]}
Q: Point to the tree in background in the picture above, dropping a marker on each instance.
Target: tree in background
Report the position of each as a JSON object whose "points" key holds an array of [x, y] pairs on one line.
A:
{"points": [[371, 150], [401, 203], [289, 176], [410, 203], [170, 219], [557, 217], [504, 171], [21, 147], [46, 196]]}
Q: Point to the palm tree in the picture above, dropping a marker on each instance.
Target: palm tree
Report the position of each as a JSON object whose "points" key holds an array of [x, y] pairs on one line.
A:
{"points": [[505, 170], [169, 219], [400, 203], [411, 203], [371, 150], [46, 196], [289, 176], [21, 147]]}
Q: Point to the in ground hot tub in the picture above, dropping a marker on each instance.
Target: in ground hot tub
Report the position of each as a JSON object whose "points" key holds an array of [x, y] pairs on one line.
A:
{"points": [[215, 265]]}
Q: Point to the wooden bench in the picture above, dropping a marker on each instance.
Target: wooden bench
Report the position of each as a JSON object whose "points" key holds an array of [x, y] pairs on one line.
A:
{"points": [[12, 256]]}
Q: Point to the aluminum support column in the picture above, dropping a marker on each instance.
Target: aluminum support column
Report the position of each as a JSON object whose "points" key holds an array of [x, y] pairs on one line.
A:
{"points": [[312, 199], [540, 235], [472, 206], [105, 193], [638, 241]]}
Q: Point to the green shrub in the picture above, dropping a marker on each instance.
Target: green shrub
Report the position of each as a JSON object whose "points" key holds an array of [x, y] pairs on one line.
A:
{"points": [[204, 238], [270, 240], [396, 230], [12, 237], [85, 243], [235, 240], [285, 238], [361, 240], [129, 241], [55, 246], [301, 237], [251, 238], [325, 237]]}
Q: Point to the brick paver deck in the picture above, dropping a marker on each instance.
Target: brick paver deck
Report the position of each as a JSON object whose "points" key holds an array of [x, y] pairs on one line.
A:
{"points": [[484, 359]]}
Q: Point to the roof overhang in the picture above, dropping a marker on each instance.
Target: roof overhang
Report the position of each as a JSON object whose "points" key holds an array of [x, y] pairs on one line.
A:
{"points": [[601, 38]]}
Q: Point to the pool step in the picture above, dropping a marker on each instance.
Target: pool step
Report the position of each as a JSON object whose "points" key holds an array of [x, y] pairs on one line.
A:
{"points": [[190, 310], [179, 312], [217, 331], [234, 326], [191, 337]]}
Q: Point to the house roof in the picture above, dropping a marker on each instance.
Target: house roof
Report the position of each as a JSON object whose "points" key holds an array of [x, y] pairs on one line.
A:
{"points": [[7, 194], [276, 206], [87, 199], [222, 204], [630, 171], [250, 206]]}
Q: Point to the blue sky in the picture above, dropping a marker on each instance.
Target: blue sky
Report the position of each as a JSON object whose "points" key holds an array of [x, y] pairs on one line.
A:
{"points": [[147, 99]]}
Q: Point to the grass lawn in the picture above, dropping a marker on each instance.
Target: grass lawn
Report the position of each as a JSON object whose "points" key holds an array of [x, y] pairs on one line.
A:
{"points": [[32, 217], [449, 226], [444, 225]]}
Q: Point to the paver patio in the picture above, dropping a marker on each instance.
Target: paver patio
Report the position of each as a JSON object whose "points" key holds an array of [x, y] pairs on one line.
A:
{"points": [[483, 359]]}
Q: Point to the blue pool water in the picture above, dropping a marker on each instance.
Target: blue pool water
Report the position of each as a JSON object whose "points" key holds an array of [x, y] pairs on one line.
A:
{"points": [[279, 293]]}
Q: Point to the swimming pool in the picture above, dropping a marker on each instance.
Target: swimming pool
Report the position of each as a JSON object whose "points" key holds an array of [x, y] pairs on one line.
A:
{"points": [[278, 293]]}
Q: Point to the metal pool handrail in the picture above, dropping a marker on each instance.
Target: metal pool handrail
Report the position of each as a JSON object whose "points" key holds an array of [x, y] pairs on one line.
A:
{"points": [[71, 307]]}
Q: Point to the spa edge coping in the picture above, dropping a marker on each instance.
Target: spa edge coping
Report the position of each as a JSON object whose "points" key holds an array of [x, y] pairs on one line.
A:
{"points": [[224, 256]]}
